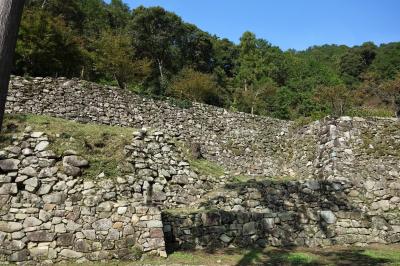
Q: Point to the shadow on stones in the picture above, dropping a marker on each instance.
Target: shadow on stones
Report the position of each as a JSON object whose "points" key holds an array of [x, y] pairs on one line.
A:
{"points": [[285, 211], [287, 257]]}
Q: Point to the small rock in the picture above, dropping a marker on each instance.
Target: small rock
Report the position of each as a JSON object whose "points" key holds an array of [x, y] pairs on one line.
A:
{"points": [[56, 198], [44, 189], [8, 189], [88, 185], [39, 251], [27, 152], [31, 184], [29, 171], [41, 146], [36, 134], [40, 236], [328, 216], [102, 225], [19, 256], [74, 160], [101, 175], [249, 228], [10, 227], [154, 224], [44, 216], [69, 152], [224, 238], [8, 165], [31, 222], [71, 254], [72, 170]]}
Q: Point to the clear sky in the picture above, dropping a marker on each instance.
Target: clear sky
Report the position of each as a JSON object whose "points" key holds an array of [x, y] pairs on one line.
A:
{"points": [[294, 24]]}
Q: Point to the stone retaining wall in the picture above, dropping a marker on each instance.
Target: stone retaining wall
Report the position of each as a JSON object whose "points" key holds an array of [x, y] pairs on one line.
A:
{"points": [[276, 213], [240, 141], [49, 213], [334, 181]]}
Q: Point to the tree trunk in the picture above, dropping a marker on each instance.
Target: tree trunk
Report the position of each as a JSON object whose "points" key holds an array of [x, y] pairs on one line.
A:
{"points": [[160, 68], [119, 81], [10, 18], [44, 3]]}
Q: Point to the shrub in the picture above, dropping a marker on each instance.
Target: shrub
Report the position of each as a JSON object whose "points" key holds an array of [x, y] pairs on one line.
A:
{"points": [[195, 86]]}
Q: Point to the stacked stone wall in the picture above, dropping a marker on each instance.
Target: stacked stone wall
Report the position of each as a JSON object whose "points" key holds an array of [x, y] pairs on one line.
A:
{"points": [[333, 181], [48, 212]]}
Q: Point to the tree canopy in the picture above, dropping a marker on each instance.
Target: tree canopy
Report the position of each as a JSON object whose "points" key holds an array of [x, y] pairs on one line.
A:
{"points": [[153, 51]]}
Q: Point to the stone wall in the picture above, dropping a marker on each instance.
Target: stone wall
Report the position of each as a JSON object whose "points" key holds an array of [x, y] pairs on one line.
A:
{"points": [[300, 213], [242, 142], [49, 213], [334, 181], [161, 172], [351, 194]]}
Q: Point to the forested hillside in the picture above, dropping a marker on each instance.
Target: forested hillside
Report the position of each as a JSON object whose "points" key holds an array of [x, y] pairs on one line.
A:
{"points": [[154, 52]]}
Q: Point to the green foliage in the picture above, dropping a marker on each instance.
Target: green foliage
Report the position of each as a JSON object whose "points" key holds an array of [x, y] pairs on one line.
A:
{"points": [[115, 59], [337, 98], [156, 34], [181, 103], [370, 112], [47, 46], [195, 86], [154, 52], [390, 91], [387, 61]]}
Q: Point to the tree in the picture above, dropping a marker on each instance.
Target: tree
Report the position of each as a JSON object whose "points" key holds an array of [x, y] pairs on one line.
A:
{"points": [[69, 10], [390, 92], [387, 60], [10, 17], [196, 49], [95, 19], [225, 55], [115, 58], [248, 60], [157, 35], [254, 99], [338, 98], [47, 46], [351, 65], [119, 14], [195, 86]]}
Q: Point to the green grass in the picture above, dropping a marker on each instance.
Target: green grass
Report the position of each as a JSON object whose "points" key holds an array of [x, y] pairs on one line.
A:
{"points": [[101, 145], [300, 258], [379, 255], [371, 112], [202, 166], [207, 168], [392, 255]]}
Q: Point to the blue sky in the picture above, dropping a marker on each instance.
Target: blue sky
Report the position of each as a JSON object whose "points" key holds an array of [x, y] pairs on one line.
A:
{"points": [[294, 24]]}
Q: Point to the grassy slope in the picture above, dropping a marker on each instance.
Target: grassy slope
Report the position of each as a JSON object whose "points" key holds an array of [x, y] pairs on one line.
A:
{"points": [[102, 145]]}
